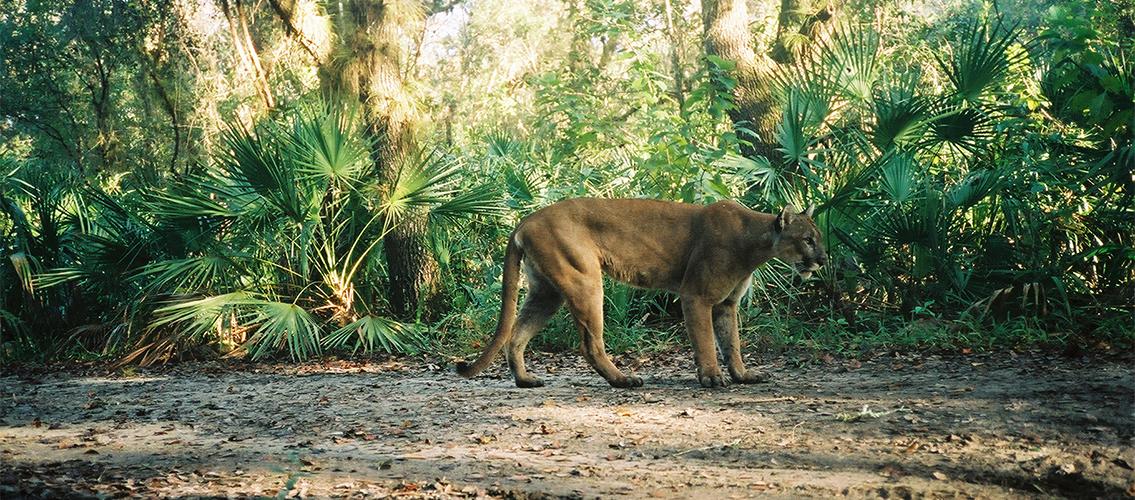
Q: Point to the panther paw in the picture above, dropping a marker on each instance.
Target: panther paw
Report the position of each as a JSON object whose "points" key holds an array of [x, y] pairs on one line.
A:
{"points": [[713, 380], [627, 382]]}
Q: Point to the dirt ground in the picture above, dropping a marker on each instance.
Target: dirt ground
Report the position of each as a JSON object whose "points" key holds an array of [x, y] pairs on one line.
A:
{"points": [[893, 426]]}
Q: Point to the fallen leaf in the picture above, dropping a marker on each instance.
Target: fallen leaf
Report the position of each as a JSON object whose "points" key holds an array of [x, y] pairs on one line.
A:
{"points": [[913, 446]]}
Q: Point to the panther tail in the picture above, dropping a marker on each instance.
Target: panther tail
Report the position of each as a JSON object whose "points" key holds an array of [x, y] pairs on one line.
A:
{"points": [[510, 284]]}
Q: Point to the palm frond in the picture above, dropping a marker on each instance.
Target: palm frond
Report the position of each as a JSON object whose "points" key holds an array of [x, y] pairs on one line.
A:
{"points": [[524, 186], [501, 145], [282, 325], [325, 146], [188, 275], [59, 276], [851, 167], [194, 317], [258, 162], [426, 180], [26, 269], [898, 178], [900, 114], [965, 129], [974, 188], [371, 333], [979, 58], [850, 60], [193, 198], [766, 185], [796, 134], [921, 223], [482, 200]]}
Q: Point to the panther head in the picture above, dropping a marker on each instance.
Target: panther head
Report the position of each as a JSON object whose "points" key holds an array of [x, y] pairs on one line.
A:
{"points": [[799, 241]]}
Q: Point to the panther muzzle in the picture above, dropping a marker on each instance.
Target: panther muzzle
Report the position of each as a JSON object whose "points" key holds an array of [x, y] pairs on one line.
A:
{"points": [[808, 266]]}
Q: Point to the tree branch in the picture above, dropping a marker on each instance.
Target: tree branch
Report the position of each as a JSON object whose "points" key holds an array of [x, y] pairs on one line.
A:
{"points": [[287, 16]]}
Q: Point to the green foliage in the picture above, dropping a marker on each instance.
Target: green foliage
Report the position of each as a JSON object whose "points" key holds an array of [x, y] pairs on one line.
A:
{"points": [[953, 205], [270, 248], [973, 174]]}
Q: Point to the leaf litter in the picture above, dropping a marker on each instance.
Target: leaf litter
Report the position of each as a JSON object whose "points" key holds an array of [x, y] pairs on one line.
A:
{"points": [[976, 426]]}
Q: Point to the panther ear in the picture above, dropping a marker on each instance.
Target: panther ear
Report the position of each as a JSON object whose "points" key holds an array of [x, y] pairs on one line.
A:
{"points": [[785, 217], [811, 208]]}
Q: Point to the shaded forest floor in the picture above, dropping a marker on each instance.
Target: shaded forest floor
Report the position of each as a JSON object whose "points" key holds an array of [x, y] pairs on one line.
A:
{"points": [[892, 426]]}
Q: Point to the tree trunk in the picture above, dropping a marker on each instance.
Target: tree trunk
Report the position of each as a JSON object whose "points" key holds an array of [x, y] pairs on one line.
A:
{"points": [[370, 68], [246, 49], [726, 28], [286, 12], [578, 52], [171, 110], [98, 85], [675, 58]]}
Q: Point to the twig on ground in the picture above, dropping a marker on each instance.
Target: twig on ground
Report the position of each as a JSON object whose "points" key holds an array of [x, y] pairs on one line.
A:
{"points": [[773, 400], [710, 447]]}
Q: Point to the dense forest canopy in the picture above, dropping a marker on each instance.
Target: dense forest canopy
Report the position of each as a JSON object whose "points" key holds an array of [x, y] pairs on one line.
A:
{"points": [[296, 176]]}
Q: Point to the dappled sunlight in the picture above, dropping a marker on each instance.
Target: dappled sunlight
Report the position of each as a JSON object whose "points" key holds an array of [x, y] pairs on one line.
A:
{"points": [[947, 426], [113, 381], [329, 205]]}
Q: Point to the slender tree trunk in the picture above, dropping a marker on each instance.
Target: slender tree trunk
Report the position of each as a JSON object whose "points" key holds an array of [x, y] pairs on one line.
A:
{"points": [[246, 49], [675, 58], [609, 45], [101, 103], [578, 52], [371, 69], [155, 59], [99, 88], [171, 109], [258, 68]]}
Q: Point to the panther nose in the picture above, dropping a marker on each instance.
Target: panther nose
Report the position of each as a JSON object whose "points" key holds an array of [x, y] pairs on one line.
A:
{"points": [[823, 260]]}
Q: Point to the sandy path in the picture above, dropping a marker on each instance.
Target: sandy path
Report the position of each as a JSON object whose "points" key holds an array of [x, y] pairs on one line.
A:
{"points": [[897, 427]]}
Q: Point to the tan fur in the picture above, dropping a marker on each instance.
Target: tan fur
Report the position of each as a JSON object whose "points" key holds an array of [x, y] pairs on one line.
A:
{"points": [[705, 254]]}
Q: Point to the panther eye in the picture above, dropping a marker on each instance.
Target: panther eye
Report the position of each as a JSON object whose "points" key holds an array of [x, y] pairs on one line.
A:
{"points": [[811, 242]]}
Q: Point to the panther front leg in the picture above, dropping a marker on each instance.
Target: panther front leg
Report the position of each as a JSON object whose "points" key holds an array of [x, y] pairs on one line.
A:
{"points": [[729, 338], [699, 325]]}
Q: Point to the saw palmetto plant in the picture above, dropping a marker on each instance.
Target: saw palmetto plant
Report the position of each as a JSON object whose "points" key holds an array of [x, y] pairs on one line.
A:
{"points": [[274, 247], [922, 189]]}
